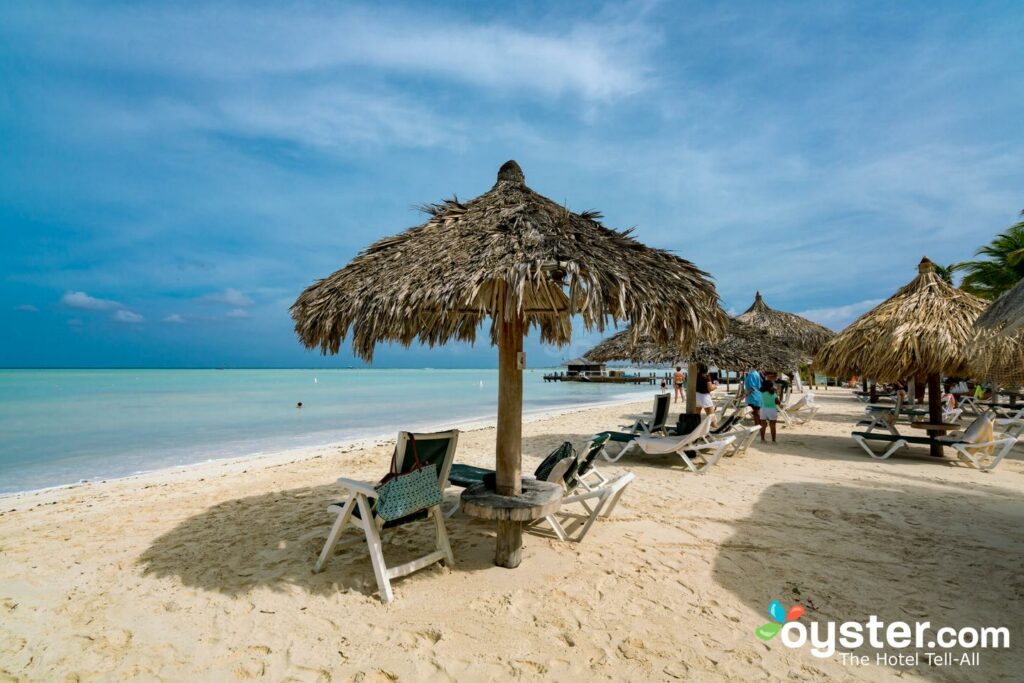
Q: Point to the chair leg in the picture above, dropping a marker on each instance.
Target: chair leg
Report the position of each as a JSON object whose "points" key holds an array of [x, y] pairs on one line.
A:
{"points": [[442, 536], [380, 569], [332, 537]]}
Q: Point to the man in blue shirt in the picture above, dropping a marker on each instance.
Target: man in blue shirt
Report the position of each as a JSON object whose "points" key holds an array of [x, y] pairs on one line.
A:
{"points": [[752, 388]]}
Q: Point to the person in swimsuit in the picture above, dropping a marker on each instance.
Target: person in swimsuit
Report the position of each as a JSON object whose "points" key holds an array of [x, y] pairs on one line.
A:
{"points": [[704, 389], [678, 380]]}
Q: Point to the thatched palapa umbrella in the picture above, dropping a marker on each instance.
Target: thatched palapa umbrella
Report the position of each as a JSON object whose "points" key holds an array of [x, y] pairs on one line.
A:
{"points": [[789, 328], [742, 348], [521, 260], [796, 332], [924, 329], [1006, 314], [997, 352]]}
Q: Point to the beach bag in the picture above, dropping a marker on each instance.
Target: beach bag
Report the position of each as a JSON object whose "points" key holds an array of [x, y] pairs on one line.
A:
{"points": [[401, 494]]}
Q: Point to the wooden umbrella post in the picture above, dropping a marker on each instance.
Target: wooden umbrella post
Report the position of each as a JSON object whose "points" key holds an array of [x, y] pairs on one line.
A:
{"points": [[509, 480], [934, 411], [691, 386]]}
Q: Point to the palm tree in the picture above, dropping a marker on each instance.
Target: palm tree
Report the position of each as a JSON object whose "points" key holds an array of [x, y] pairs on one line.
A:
{"points": [[945, 272], [1001, 268]]}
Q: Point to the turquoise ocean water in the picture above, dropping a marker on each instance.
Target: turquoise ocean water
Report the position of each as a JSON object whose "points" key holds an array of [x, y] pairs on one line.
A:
{"points": [[61, 426]]}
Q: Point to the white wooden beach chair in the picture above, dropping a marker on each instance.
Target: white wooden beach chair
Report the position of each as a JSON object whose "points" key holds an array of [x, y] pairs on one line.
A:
{"points": [[436, 449]]}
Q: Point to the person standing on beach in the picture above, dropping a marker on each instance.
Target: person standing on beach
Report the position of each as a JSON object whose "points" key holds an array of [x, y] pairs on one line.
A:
{"points": [[752, 390], [769, 406], [704, 388], [678, 380]]}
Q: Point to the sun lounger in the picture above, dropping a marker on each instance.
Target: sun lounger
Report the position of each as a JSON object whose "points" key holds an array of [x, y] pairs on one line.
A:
{"points": [[802, 410], [744, 436], [966, 445], [588, 493], [581, 508], [970, 405], [658, 420], [437, 450], [697, 445]]}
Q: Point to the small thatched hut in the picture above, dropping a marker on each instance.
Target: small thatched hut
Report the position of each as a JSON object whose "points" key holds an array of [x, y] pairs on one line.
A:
{"points": [[794, 331], [742, 348], [923, 330], [523, 261]]}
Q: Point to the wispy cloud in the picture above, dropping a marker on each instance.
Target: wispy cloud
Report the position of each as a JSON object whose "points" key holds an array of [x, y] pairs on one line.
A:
{"points": [[237, 313], [229, 297], [83, 301], [126, 316], [838, 317], [174, 318], [586, 57], [26, 308]]}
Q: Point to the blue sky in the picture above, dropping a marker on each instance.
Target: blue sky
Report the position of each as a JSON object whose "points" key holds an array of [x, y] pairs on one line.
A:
{"points": [[172, 176]]}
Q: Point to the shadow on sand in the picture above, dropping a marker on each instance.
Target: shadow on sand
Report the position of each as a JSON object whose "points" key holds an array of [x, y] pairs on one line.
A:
{"points": [[271, 540], [950, 557]]}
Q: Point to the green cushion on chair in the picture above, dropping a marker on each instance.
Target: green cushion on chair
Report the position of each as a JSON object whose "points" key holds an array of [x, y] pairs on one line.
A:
{"points": [[467, 475], [618, 437]]}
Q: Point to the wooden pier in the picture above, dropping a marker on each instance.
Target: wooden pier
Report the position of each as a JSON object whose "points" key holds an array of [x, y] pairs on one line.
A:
{"points": [[596, 378]]}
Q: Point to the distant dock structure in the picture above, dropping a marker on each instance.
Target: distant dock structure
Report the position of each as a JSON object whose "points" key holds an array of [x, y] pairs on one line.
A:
{"points": [[583, 370]]}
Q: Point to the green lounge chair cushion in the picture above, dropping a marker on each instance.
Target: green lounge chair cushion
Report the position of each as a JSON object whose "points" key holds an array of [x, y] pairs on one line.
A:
{"points": [[465, 476]]}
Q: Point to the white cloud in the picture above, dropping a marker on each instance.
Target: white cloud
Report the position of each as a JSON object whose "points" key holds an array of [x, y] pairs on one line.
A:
{"points": [[599, 58], [229, 297], [26, 308], [838, 317], [238, 313], [83, 301], [174, 318], [126, 316]]}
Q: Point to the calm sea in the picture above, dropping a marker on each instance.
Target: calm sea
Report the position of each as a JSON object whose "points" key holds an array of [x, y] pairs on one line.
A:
{"points": [[62, 426]]}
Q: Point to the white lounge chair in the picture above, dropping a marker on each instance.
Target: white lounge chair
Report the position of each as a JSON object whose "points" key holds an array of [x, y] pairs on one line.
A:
{"points": [[966, 445], [581, 508], [801, 411], [588, 493], [658, 420], [744, 437], [691, 447], [436, 449]]}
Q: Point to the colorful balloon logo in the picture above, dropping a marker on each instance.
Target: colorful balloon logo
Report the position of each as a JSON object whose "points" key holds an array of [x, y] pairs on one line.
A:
{"points": [[780, 617]]}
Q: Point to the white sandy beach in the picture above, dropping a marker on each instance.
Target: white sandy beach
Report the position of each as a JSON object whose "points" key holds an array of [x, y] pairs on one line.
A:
{"points": [[203, 573]]}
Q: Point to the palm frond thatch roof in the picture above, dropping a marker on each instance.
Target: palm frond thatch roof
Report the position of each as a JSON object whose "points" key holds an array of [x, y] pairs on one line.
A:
{"points": [[998, 347], [925, 328], [795, 331], [1006, 314], [742, 348], [997, 357], [508, 252]]}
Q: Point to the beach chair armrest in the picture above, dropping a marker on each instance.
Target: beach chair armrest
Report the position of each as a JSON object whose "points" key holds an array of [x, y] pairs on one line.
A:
{"points": [[355, 486]]}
